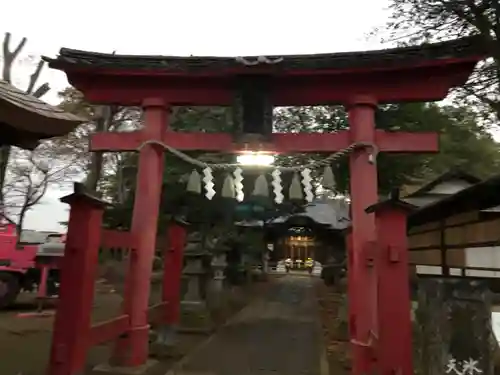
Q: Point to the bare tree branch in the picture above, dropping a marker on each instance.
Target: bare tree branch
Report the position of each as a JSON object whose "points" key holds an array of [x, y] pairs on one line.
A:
{"points": [[29, 176], [42, 90], [10, 56]]}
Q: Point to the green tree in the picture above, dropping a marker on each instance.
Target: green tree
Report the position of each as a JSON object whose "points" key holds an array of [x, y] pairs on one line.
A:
{"points": [[417, 21], [463, 144]]}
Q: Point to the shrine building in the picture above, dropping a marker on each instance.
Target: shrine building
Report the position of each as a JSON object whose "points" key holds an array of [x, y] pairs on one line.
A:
{"points": [[316, 233]]}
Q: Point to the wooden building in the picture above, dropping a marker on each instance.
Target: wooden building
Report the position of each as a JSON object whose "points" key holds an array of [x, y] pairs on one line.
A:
{"points": [[458, 234]]}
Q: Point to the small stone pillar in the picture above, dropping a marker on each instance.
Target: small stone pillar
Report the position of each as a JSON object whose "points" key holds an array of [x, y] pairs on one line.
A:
{"points": [[265, 262], [247, 266], [79, 266], [196, 316], [453, 327], [317, 268], [194, 271], [280, 267], [393, 347], [219, 264]]}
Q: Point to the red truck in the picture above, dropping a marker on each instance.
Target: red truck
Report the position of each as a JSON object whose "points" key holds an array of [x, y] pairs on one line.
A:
{"points": [[28, 266]]}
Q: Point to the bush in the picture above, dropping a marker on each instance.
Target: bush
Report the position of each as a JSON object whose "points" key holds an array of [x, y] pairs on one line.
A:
{"points": [[332, 274]]}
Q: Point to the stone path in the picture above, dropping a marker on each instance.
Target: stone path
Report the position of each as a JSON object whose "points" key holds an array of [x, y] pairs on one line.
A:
{"points": [[277, 335]]}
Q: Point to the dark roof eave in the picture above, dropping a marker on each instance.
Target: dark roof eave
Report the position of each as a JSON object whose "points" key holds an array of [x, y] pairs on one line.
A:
{"points": [[447, 176], [464, 49], [477, 197], [25, 119]]}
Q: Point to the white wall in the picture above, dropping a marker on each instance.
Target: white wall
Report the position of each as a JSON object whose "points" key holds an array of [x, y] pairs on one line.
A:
{"points": [[495, 324], [483, 257], [450, 187], [436, 270], [488, 257]]}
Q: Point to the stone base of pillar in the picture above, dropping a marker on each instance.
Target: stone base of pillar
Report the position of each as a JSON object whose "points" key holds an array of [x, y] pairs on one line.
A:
{"points": [[217, 296], [165, 345], [166, 335], [280, 268], [195, 317], [107, 369], [317, 269]]}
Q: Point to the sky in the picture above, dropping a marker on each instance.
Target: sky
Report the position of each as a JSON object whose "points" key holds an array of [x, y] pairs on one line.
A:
{"points": [[181, 27]]}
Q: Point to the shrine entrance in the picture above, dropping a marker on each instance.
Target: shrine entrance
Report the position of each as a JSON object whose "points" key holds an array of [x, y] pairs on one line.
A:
{"points": [[300, 245], [380, 331], [299, 237]]}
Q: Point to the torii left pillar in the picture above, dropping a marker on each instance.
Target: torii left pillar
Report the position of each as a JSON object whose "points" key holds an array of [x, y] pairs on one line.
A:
{"points": [[394, 307], [73, 317], [132, 349]]}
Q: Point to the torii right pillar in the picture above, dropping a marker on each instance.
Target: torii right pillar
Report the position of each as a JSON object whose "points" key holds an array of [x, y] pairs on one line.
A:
{"points": [[363, 325], [364, 273], [394, 349]]}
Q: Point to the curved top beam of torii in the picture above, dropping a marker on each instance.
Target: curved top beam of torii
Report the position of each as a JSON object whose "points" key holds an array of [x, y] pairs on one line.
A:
{"points": [[416, 73]]}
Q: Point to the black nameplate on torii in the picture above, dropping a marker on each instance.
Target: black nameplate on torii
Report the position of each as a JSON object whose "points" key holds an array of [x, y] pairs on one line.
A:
{"points": [[253, 109]]}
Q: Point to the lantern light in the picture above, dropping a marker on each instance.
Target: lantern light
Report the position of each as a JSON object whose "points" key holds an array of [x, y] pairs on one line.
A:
{"points": [[255, 158]]}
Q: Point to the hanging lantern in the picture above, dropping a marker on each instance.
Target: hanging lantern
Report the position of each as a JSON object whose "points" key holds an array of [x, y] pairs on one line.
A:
{"points": [[328, 180], [228, 188], [295, 192], [261, 187], [194, 182]]}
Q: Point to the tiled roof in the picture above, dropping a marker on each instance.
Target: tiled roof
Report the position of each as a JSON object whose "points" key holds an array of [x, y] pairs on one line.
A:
{"points": [[453, 174], [333, 213], [387, 58], [25, 119], [478, 197]]}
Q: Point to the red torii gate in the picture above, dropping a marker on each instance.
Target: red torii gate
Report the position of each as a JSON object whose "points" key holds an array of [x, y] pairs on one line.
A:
{"points": [[358, 80]]}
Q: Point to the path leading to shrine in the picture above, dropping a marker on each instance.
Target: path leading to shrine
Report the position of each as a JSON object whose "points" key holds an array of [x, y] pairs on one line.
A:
{"points": [[278, 334]]}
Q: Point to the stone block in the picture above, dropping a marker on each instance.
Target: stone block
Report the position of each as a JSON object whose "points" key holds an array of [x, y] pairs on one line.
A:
{"points": [[453, 327], [108, 369]]}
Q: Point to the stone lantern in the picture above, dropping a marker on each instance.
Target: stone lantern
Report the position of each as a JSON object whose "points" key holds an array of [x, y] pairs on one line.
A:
{"points": [[220, 249], [194, 272]]}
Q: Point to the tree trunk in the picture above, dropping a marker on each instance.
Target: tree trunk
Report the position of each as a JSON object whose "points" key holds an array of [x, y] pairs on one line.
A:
{"points": [[95, 171], [97, 159], [4, 162], [20, 222]]}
